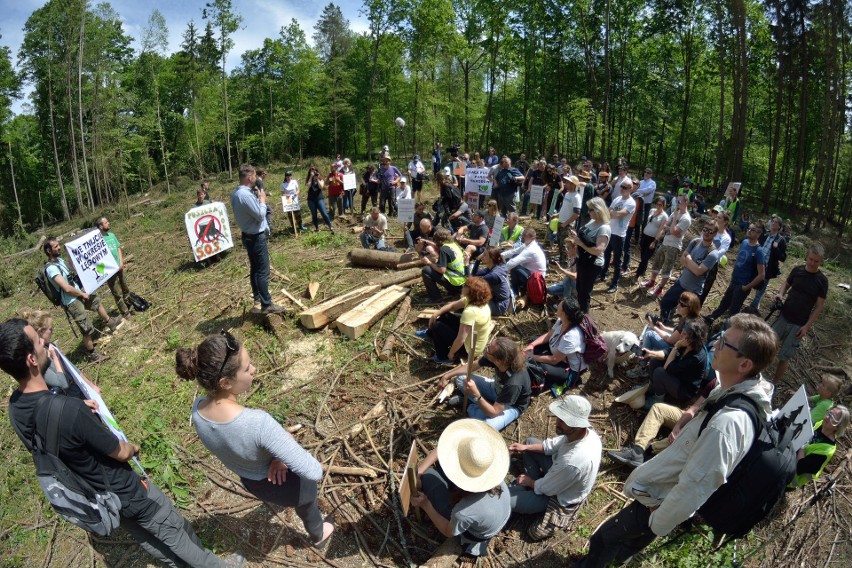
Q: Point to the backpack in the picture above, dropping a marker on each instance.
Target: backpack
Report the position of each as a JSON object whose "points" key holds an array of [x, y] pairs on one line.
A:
{"points": [[139, 303], [46, 286], [758, 482], [72, 497], [536, 288], [596, 349]]}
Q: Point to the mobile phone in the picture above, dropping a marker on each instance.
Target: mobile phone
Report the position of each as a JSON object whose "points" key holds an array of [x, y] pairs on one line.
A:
{"points": [[637, 350]]}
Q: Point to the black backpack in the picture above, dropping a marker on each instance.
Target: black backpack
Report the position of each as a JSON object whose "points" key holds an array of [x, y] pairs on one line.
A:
{"points": [[46, 286], [758, 482]]}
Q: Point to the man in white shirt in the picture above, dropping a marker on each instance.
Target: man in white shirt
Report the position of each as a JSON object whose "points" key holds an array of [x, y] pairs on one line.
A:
{"points": [[674, 485], [647, 189], [416, 172], [375, 227], [569, 213], [621, 210], [525, 260], [560, 472]]}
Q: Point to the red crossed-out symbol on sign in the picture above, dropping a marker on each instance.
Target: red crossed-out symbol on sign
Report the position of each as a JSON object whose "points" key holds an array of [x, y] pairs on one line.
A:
{"points": [[208, 228]]}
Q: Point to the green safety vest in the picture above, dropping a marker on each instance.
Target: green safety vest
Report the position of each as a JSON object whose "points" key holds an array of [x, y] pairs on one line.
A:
{"points": [[455, 269], [820, 449], [732, 208], [516, 234]]}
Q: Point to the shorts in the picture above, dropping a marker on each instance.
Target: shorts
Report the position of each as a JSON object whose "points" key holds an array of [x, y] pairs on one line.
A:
{"points": [[78, 308], [664, 260], [787, 340]]}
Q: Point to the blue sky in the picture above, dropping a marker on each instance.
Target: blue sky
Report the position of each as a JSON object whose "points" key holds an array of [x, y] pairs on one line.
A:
{"points": [[261, 19]]}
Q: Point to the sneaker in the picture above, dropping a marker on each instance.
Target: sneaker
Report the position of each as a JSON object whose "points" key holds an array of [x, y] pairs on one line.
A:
{"points": [[273, 309], [94, 357], [454, 401], [640, 372], [115, 322], [655, 293], [423, 334], [303, 228], [612, 289], [632, 456], [234, 560], [648, 284], [324, 542], [444, 362]]}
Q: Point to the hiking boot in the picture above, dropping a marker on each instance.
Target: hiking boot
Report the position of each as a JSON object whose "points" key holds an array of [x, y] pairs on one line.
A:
{"points": [[114, 323], [632, 456], [273, 309], [234, 560], [648, 284], [94, 357], [640, 372], [443, 362]]}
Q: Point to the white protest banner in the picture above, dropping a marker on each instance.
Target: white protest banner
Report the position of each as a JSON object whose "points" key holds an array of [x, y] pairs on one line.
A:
{"points": [[405, 210], [536, 194], [90, 393], [798, 416], [476, 179], [472, 200], [350, 182], [495, 232], [735, 185], [208, 229], [92, 260], [290, 202]]}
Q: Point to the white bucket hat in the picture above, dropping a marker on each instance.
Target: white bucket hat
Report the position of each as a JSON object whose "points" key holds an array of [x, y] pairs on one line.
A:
{"points": [[473, 455], [635, 397], [573, 410]]}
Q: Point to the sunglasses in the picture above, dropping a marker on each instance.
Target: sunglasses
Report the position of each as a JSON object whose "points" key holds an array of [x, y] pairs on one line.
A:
{"points": [[708, 230], [724, 343], [232, 347]]}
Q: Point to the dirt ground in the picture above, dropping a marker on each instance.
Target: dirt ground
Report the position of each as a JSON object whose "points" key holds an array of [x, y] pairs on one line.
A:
{"points": [[322, 385]]}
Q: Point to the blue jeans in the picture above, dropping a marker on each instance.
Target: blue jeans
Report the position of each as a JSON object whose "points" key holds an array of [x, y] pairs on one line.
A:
{"points": [[489, 392], [653, 342], [368, 240], [518, 277], [759, 292], [318, 205], [348, 202], [670, 299], [567, 288], [258, 255], [615, 248]]}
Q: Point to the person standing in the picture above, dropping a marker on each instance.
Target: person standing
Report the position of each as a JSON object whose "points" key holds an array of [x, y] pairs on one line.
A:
{"points": [[647, 189], [698, 260], [416, 173], [250, 216], [348, 194], [506, 180], [316, 201], [654, 226], [620, 212], [748, 273], [775, 250], [334, 184], [260, 175], [667, 247], [591, 240], [203, 195], [290, 188], [436, 159], [116, 280], [389, 176]]}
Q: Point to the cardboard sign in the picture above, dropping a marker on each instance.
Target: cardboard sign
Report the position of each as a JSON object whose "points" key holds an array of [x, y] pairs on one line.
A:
{"points": [[476, 179], [208, 229], [798, 414], [92, 260], [405, 210], [350, 181], [290, 203], [459, 168], [408, 485], [495, 232], [735, 185], [472, 200], [536, 194]]}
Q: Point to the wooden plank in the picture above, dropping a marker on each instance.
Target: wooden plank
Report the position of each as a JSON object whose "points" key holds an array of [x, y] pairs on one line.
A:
{"points": [[326, 312], [355, 323], [401, 318], [427, 313], [408, 484], [445, 555], [313, 288]]}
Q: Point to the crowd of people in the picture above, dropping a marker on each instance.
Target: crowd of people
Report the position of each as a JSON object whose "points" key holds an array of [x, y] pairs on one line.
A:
{"points": [[473, 481]]}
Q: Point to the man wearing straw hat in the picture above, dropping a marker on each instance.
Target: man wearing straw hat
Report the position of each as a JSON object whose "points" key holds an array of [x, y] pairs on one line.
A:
{"points": [[464, 493], [559, 473]]}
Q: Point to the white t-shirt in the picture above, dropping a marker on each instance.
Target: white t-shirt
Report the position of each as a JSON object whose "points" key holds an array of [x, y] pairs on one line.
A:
{"points": [[655, 222], [619, 226], [289, 188], [403, 192], [571, 343], [572, 200], [682, 222]]}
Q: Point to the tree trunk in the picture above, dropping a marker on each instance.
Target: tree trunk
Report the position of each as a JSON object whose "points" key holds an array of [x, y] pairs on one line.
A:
{"points": [[162, 137], [803, 113], [15, 188], [605, 148], [227, 117], [775, 143]]}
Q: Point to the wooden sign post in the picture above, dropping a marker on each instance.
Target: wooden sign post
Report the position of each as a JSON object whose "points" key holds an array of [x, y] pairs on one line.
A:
{"points": [[468, 377], [408, 486]]}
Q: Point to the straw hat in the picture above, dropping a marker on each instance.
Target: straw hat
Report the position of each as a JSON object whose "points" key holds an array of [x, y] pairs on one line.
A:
{"points": [[583, 175], [572, 179], [635, 397], [473, 455], [573, 410]]}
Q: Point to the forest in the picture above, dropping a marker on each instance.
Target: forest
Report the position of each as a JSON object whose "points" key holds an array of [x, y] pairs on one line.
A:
{"points": [[756, 91]]}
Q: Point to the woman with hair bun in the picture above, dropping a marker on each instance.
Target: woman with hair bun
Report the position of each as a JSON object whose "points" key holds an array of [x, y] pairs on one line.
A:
{"points": [[272, 466]]}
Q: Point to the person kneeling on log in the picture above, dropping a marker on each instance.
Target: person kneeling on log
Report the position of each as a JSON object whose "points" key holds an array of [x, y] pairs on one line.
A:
{"points": [[463, 488], [560, 472], [272, 466], [448, 270]]}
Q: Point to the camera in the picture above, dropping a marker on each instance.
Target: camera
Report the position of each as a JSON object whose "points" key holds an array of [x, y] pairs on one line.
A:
{"points": [[777, 304], [454, 150], [636, 350]]}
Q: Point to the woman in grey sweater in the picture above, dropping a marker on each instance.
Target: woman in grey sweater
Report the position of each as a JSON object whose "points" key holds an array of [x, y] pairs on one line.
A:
{"points": [[272, 466]]}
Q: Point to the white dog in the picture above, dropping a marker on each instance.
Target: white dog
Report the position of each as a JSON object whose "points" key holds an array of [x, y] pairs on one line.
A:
{"points": [[618, 344]]}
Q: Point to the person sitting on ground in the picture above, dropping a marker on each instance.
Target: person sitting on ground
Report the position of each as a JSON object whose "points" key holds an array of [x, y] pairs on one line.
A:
{"points": [[496, 274], [491, 213], [525, 260], [413, 230], [828, 388], [499, 401], [560, 350], [464, 493], [661, 415], [560, 472], [813, 458], [566, 289], [74, 300], [448, 269], [116, 281], [449, 332], [271, 465], [662, 337], [375, 227], [512, 231], [680, 374], [422, 240], [474, 236], [202, 195]]}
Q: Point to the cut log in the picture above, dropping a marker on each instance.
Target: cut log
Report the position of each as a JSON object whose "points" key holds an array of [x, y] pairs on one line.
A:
{"points": [[313, 288], [445, 555], [412, 264], [326, 312], [401, 318], [427, 313], [378, 258], [355, 323], [397, 277]]}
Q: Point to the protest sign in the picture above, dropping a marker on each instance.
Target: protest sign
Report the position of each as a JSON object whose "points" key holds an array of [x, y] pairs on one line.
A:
{"points": [[290, 203], [92, 260], [496, 230], [476, 179], [536, 194], [459, 168], [736, 185], [472, 200], [405, 210], [408, 483], [798, 415], [208, 229], [350, 182]]}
